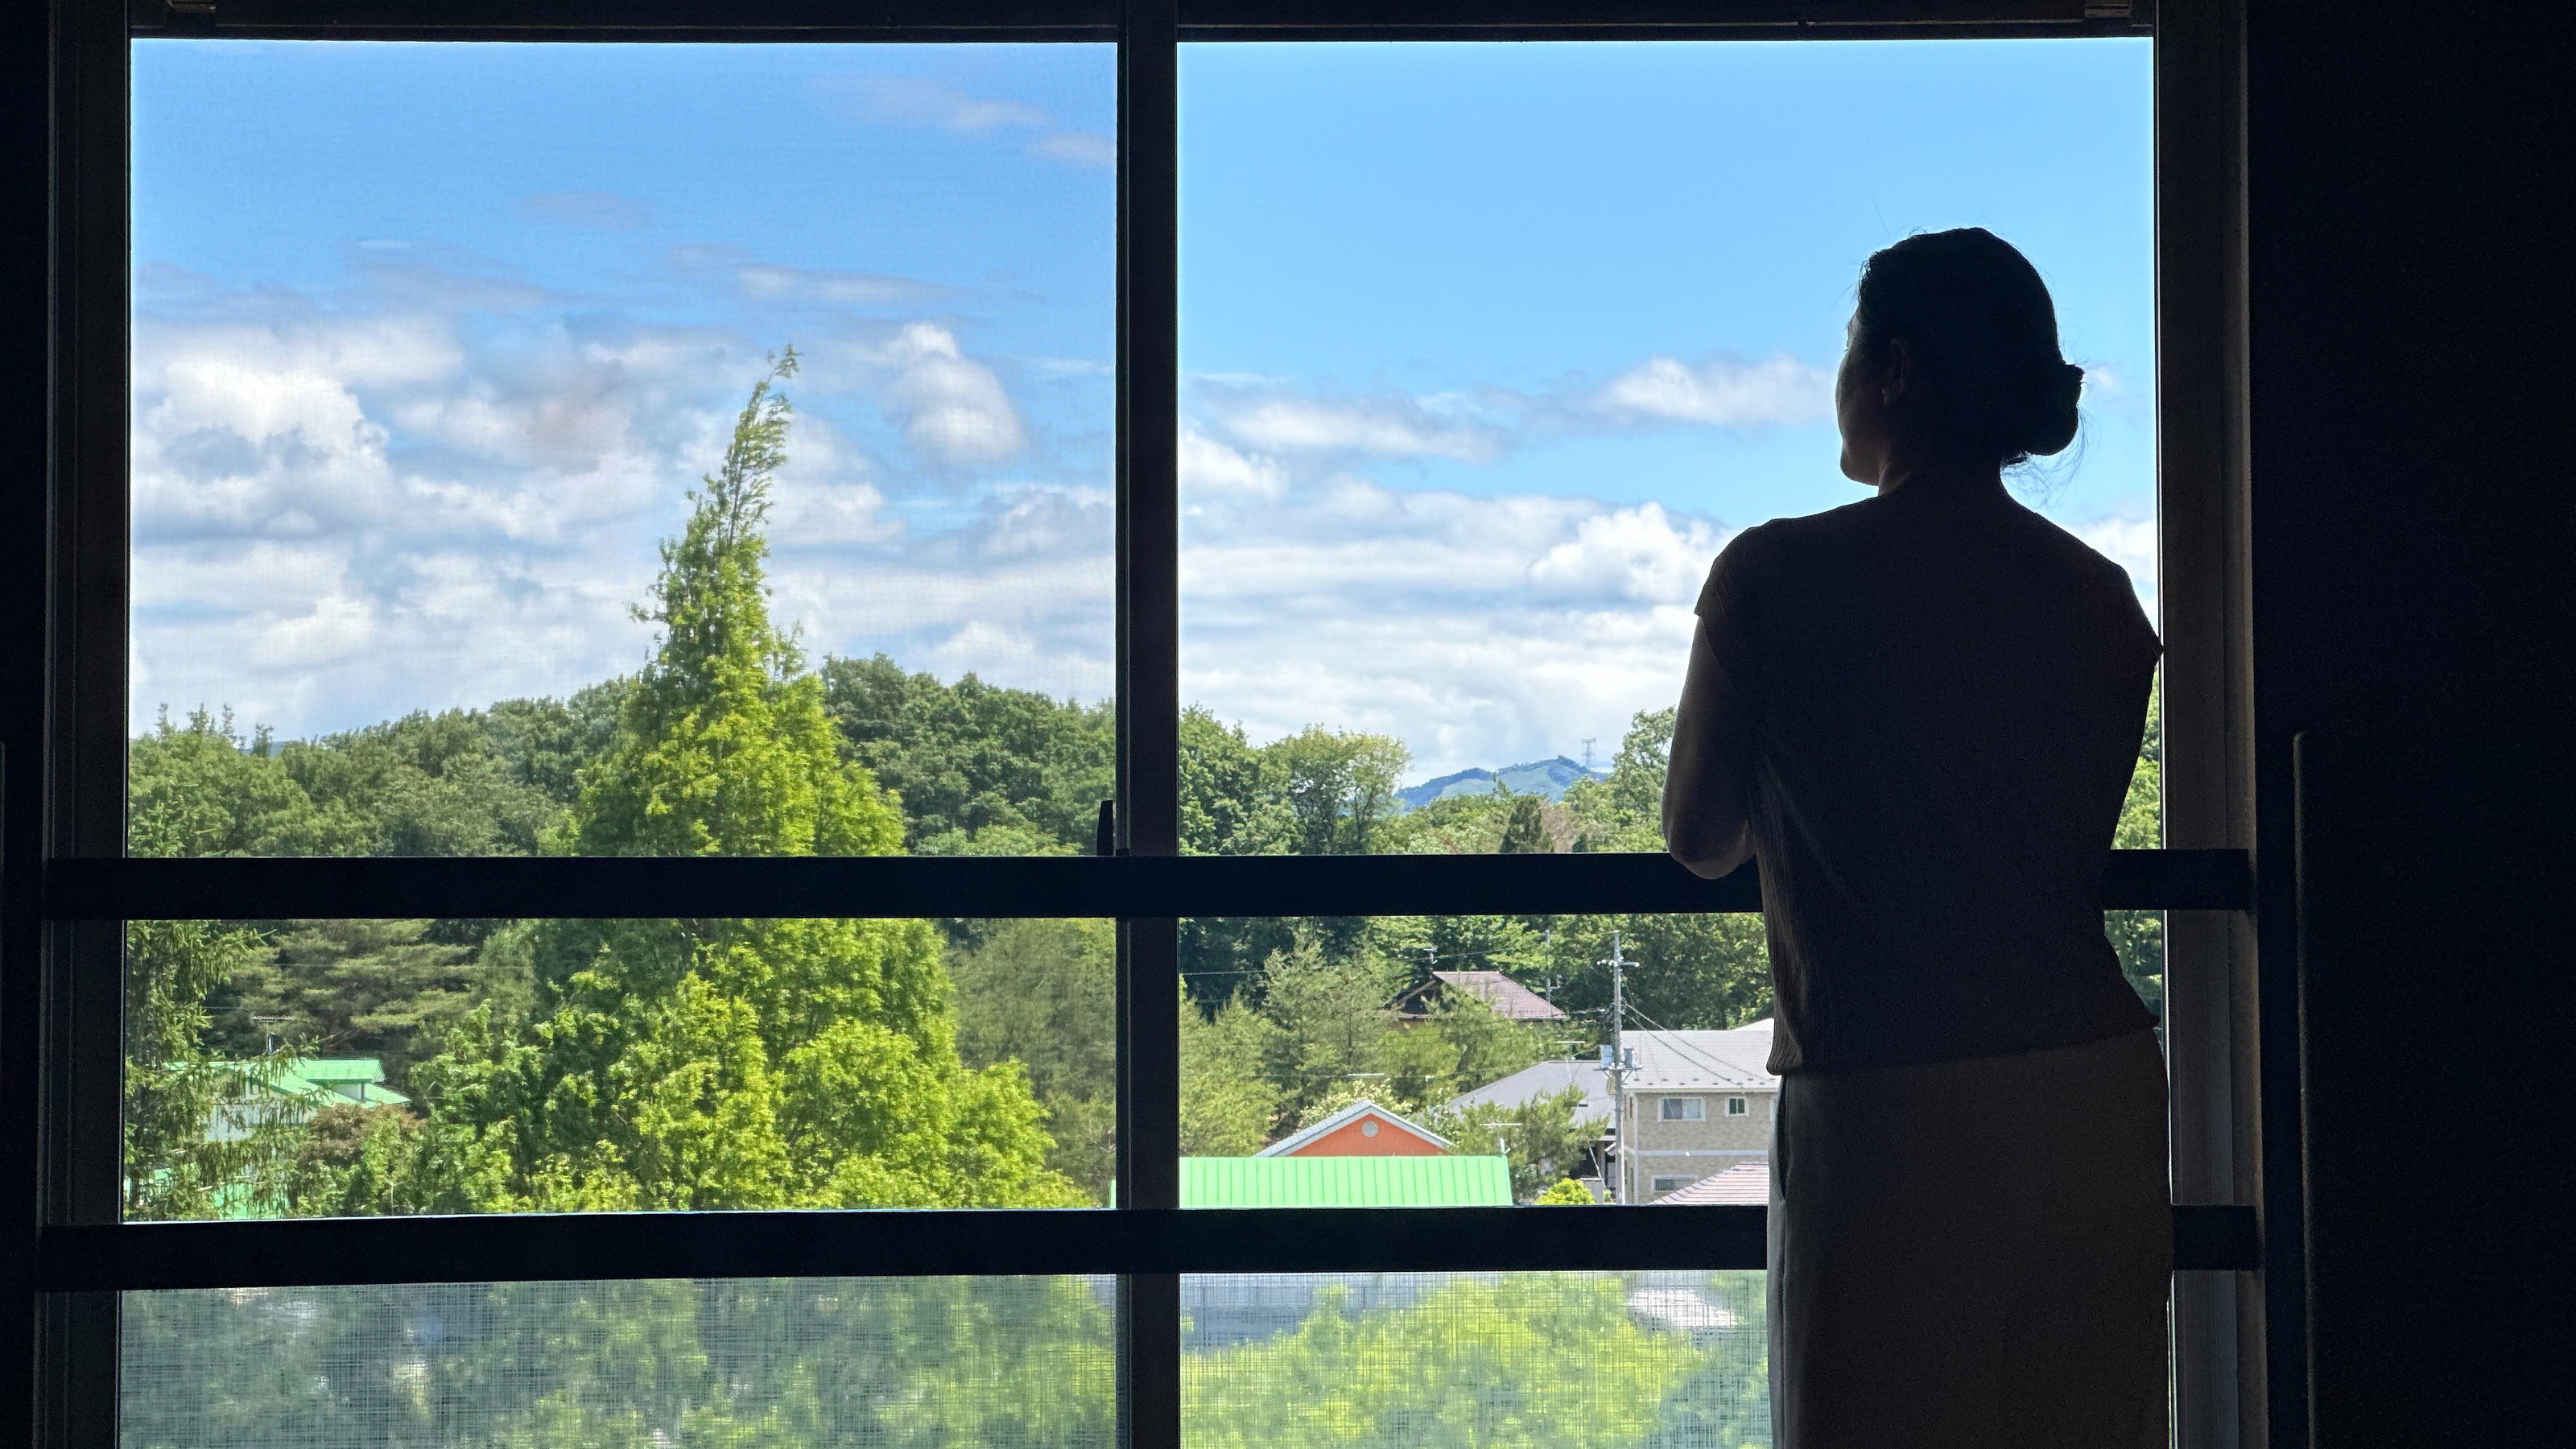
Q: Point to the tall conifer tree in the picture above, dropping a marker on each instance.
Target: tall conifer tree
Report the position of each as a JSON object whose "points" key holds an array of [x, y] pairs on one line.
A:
{"points": [[731, 1063]]}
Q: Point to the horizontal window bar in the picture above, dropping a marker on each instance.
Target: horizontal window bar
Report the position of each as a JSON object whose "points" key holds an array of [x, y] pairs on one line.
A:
{"points": [[1326, 19], [933, 20], [1129, 887], [873, 1244], [928, 20]]}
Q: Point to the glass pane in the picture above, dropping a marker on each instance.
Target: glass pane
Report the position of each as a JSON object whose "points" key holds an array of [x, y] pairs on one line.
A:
{"points": [[1593, 1360], [463, 523], [1012, 1363], [1433, 1061], [1489, 348], [1414, 1061], [359, 1068]]}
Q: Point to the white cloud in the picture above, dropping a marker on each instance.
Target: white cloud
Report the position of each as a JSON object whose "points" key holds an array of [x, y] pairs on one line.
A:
{"points": [[338, 625], [775, 283], [1483, 423], [915, 101], [1720, 392], [1480, 630], [954, 408], [1637, 553], [1207, 464], [828, 515], [340, 517], [1079, 148], [1383, 426], [2130, 543]]}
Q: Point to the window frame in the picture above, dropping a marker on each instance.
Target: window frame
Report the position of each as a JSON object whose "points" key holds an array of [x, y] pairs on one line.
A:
{"points": [[69, 885]]}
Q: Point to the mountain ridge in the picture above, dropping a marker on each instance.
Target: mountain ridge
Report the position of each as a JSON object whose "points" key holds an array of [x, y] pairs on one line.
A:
{"points": [[1548, 778]]}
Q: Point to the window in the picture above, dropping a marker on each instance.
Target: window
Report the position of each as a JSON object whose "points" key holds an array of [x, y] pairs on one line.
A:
{"points": [[1452, 476], [558, 953]]}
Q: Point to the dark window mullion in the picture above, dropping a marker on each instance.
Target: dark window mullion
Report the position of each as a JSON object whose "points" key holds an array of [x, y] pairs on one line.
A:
{"points": [[1149, 1104]]}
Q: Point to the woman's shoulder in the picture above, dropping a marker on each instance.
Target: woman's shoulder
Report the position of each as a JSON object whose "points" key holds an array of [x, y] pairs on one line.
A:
{"points": [[1762, 555]]}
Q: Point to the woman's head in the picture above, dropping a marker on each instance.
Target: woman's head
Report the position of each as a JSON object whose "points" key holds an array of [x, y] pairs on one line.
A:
{"points": [[1953, 359]]}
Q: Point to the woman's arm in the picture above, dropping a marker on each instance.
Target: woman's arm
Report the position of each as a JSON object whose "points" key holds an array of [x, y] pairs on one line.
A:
{"points": [[1706, 785]]}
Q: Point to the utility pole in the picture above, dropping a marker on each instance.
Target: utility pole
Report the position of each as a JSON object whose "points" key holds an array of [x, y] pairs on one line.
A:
{"points": [[1616, 1061]]}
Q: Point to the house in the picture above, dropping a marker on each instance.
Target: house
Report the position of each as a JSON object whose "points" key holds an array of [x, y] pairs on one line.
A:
{"points": [[1695, 1103], [1362, 1129], [292, 1089], [1509, 999]]}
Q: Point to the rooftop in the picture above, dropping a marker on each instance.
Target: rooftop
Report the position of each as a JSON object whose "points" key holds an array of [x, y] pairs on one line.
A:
{"points": [[1667, 1061], [1509, 999], [1361, 1111], [1747, 1184], [1250, 1182]]}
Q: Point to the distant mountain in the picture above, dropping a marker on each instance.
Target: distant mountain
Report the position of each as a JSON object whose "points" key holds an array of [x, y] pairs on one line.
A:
{"points": [[1538, 777]]}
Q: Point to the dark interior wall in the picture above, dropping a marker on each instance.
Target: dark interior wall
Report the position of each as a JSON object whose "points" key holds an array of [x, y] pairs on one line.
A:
{"points": [[2413, 517]]}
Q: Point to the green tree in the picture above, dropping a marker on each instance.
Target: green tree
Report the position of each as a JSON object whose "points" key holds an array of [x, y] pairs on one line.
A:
{"points": [[544, 743], [197, 1143], [1339, 787], [198, 788], [1547, 1139], [1687, 972], [1228, 1107], [1328, 1026], [1233, 796], [2139, 936], [382, 989], [1625, 811], [1460, 1044], [197, 1140], [1044, 994], [1525, 828], [729, 1063], [1565, 1192], [425, 784], [980, 769], [1521, 1361]]}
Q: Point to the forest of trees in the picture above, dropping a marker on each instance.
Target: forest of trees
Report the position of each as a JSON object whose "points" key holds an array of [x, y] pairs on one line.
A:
{"points": [[555, 1065]]}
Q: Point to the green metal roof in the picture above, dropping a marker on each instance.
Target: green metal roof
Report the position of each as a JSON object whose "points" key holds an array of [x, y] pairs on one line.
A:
{"points": [[337, 1069], [1249, 1182], [355, 1079]]}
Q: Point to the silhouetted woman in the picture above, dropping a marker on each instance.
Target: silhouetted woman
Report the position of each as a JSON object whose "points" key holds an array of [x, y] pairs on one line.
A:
{"points": [[1920, 712]]}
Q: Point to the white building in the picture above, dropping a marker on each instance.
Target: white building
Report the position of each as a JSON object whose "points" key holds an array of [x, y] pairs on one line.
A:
{"points": [[1698, 1103]]}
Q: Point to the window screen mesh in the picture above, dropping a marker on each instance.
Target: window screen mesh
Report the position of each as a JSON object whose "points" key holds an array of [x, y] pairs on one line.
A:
{"points": [[1564, 1360], [1011, 1363]]}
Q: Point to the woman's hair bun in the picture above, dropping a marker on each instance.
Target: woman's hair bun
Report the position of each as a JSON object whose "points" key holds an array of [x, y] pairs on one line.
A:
{"points": [[1984, 332]]}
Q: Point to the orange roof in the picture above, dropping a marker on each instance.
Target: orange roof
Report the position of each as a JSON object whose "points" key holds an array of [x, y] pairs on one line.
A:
{"points": [[1362, 1129]]}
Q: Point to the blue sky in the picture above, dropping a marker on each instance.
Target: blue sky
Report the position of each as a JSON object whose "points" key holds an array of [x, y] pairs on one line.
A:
{"points": [[1487, 349]]}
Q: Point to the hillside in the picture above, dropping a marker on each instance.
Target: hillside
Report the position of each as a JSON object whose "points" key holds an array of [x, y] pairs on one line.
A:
{"points": [[1548, 778]]}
